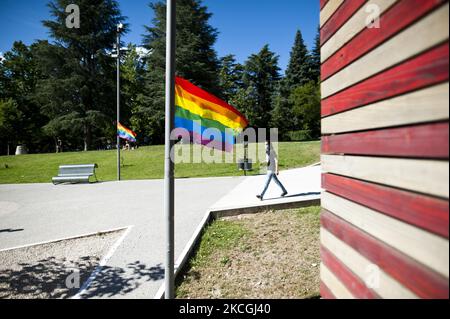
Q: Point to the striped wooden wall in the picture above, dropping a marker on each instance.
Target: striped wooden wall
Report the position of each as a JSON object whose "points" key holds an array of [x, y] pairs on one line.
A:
{"points": [[385, 149]]}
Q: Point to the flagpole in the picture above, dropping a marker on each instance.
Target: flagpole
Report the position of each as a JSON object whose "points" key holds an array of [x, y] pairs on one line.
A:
{"points": [[119, 29], [168, 164]]}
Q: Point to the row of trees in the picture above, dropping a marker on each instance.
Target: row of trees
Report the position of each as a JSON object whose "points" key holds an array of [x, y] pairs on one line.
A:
{"points": [[65, 89]]}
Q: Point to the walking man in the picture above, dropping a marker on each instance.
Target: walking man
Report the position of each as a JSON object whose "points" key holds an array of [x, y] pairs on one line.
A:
{"points": [[272, 170]]}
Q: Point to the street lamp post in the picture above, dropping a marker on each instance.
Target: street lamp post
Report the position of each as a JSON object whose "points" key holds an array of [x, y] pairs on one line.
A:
{"points": [[119, 30]]}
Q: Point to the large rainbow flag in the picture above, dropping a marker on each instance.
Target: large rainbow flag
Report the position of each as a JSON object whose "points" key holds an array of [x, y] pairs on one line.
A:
{"points": [[193, 105], [126, 133]]}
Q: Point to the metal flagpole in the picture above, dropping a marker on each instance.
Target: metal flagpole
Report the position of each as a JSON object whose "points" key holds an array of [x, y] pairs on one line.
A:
{"points": [[119, 29], [168, 165]]}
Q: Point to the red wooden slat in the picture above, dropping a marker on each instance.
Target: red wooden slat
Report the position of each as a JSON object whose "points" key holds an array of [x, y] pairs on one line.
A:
{"points": [[423, 141], [425, 70], [354, 284], [345, 12], [325, 292], [323, 3], [428, 213], [421, 280], [393, 21]]}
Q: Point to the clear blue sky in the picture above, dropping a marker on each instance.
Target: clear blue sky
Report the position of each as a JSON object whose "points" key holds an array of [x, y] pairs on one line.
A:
{"points": [[244, 25]]}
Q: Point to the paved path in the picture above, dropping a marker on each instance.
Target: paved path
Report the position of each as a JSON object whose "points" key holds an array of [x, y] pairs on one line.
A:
{"points": [[35, 213], [301, 184]]}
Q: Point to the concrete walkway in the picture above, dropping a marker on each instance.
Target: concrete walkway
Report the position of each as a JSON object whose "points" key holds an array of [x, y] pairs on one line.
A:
{"points": [[36, 213], [301, 184]]}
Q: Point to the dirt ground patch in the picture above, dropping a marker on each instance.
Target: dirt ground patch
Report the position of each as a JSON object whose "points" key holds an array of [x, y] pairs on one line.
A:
{"points": [[42, 271], [265, 255]]}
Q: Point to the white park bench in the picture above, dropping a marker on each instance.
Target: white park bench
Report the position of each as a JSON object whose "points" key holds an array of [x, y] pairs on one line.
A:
{"points": [[75, 174]]}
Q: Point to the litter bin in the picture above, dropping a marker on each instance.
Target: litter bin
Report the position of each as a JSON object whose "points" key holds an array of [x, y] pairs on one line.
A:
{"points": [[21, 149], [245, 165]]}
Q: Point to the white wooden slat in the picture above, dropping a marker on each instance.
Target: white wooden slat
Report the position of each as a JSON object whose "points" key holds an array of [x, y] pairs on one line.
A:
{"points": [[328, 10], [424, 176], [426, 105], [421, 36], [353, 26], [379, 281], [336, 287], [430, 249]]}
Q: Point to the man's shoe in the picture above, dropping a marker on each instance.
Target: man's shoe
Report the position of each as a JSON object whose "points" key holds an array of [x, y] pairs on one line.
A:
{"points": [[284, 194], [259, 197]]}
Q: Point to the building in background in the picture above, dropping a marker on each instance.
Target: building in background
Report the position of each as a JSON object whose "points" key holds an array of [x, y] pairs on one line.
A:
{"points": [[385, 151]]}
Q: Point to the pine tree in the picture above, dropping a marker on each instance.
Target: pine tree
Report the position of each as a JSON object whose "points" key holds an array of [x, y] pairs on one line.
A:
{"points": [[315, 59], [230, 77], [282, 116], [261, 76], [303, 68], [298, 71], [196, 60], [78, 94]]}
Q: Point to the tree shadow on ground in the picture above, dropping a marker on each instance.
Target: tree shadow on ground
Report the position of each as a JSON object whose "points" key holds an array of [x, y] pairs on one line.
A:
{"points": [[47, 279], [10, 230]]}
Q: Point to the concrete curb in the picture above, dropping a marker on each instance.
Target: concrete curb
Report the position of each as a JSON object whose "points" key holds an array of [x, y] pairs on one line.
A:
{"points": [[227, 212]]}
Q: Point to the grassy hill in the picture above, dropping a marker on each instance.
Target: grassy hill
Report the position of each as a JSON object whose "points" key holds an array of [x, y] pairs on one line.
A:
{"points": [[143, 163]]}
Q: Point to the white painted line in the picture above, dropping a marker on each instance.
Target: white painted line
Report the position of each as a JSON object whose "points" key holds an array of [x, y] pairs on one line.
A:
{"points": [[64, 238], [102, 263], [186, 252]]}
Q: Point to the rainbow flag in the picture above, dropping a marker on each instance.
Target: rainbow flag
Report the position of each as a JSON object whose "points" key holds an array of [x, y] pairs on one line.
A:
{"points": [[126, 133], [194, 105]]}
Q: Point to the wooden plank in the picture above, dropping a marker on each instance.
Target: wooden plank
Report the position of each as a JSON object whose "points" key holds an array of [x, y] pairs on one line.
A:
{"points": [[426, 105], [336, 287], [323, 3], [423, 176], [420, 37], [419, 141], [428, 213], [345, 12], [352, 27], [387, 286], [425, 70], [325, 292], [392, 22], [328, 10], [354, 284], [412, 275], [430, 249]]}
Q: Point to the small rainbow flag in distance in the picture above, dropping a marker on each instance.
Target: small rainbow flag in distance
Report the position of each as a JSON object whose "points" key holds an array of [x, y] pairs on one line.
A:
{"points": [[193, 104], [126, 133]]}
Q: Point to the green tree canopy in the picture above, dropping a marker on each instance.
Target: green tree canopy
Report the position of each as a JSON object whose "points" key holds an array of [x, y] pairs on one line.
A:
{"points": [[19, 75], [260, 80], [315, 58], [78, 94], [298, 71], [306, 106], [230, 77], [196, 60]]}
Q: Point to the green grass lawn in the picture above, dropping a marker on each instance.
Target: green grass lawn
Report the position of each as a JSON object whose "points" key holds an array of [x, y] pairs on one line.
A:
{"points": [[272, 254], [144, 163]]}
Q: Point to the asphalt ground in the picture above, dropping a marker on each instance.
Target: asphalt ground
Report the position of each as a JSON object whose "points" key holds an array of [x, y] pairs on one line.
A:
{"points": [[36, 213]]}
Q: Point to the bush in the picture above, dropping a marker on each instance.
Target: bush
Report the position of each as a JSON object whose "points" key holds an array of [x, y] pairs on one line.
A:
{"points": [[300, 136]]}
